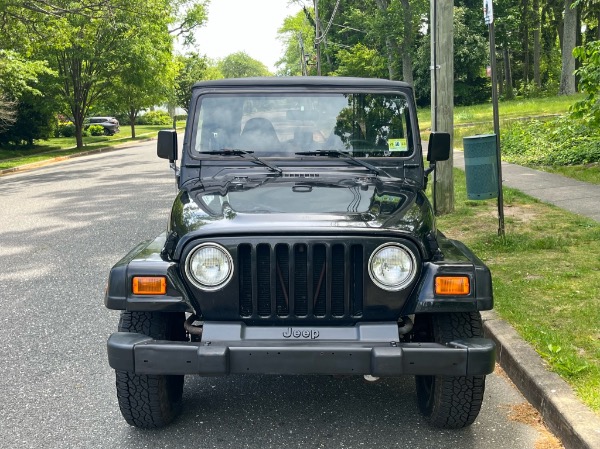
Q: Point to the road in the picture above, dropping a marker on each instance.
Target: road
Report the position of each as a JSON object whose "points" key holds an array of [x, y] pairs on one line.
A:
{"points": [[62, 227]]}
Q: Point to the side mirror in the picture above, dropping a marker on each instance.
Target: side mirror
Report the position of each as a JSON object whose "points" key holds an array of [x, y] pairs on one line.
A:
{"points": [[439, 147], [166, 147]]}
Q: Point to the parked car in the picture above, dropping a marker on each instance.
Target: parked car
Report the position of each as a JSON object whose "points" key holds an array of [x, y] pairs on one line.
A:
{"points": [[301, 242], [110, 124]]}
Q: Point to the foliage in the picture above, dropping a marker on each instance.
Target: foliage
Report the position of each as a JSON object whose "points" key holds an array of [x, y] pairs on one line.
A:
{"points": [[66, 129], [241, 65], [561, 141], [360, 61], [34, 120], [589, 83], [296, 35], [155, 118], [100, 46], [471, 85], [192, 68], [96, 130], [19, 74]]}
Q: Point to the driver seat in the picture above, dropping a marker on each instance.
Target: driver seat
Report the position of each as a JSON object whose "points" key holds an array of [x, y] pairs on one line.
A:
{"points": [[259, 135]]}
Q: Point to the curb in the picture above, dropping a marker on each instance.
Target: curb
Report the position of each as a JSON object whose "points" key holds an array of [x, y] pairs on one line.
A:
{"points": [[43, 163], [570, 420]]}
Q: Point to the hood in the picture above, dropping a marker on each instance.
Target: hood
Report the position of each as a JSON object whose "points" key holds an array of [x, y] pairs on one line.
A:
{"points": [[288, 205]]}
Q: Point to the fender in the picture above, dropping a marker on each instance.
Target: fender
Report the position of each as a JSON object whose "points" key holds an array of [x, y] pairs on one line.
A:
{"points": [[145, 260]]}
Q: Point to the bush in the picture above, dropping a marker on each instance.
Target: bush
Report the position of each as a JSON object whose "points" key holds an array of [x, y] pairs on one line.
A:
{"points": [[561, 141], [96, 130], [155, 118], [66, 129]]}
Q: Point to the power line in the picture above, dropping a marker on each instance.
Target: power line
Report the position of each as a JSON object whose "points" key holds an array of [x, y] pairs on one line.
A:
{"points": [[320, 38]]}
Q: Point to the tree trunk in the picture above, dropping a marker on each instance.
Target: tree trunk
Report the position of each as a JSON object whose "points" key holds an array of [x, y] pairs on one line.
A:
{"points": [[536, 44], [567, 77], [525, 36], [78, 122], [132, 116], [390, 57], [508, 84], [442, 96], [407, 64]]}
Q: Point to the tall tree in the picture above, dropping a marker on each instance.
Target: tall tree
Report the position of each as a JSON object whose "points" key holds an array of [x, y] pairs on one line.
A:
{"points": [[241, 65]]}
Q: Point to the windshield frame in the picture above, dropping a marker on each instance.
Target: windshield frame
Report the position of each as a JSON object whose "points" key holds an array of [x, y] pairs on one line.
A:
{"points": [[250, 91]]}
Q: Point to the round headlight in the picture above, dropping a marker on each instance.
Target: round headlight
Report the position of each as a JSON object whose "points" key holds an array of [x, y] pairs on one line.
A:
{"points": [[209, 266], [392, 266]]}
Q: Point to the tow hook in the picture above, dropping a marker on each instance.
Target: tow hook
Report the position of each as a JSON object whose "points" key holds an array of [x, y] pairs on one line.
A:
{"points": [[370, 378]]}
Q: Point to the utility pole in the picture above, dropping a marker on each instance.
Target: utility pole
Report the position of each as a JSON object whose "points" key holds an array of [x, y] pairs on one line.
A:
{"points": [[317, 37], [442, 97]]}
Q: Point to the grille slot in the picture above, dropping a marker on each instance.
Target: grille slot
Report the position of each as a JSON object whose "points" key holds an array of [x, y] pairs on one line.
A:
{"points": [[300, 280]]}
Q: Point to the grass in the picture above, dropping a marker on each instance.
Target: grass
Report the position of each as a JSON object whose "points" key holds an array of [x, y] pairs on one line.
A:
{"points": [[63, 146], [586, 173], [478, 119], [545, 273]]}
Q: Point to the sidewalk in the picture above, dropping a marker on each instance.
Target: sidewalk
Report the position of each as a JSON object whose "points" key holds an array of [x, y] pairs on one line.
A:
{"points": [[569, 194]]}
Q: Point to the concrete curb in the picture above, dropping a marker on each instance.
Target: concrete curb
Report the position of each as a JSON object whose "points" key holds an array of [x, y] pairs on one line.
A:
{"points": [[33, 165], [571, 421]]}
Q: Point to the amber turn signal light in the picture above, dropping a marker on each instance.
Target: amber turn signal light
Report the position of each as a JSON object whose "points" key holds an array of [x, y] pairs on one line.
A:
{"points": [[452, 285], [149, 285]]}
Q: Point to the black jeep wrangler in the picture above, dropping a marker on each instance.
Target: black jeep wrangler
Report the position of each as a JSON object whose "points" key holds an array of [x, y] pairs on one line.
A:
{"points": [[301, 242]]}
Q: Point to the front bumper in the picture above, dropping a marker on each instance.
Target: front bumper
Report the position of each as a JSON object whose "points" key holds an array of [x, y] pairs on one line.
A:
{"points": [[361, 349]]}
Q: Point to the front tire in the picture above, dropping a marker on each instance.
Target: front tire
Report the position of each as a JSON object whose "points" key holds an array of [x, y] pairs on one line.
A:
{"points": [[150, 401], [446, 401]]}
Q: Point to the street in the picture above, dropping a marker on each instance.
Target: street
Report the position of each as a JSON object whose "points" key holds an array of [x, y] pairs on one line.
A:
{"points": [[62, 228]]}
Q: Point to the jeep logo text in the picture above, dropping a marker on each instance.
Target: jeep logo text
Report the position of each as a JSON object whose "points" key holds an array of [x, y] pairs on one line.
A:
{"points": [[296, 333]]}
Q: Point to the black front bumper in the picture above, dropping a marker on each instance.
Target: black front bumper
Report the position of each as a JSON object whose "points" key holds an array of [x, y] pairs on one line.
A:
{"points": [[356, 351]]}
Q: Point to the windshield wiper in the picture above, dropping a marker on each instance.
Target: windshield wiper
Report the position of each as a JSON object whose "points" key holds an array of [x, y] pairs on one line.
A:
{"points": [[244, 154], [338, 153]]}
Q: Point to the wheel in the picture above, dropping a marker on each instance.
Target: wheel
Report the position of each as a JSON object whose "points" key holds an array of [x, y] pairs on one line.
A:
{"points": [[107, 132], [150, 401], [445, 401]]}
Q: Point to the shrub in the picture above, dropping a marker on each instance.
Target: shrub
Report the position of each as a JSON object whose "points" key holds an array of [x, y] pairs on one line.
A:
{"points": [[561, 141], [96, 130], [155, 118], [66, 129]]}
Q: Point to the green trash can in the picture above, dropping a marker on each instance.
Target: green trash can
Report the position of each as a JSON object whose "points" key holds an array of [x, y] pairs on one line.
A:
{"points": [[481, 166]]}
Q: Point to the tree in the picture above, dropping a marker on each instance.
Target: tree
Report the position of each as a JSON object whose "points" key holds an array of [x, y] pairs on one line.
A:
{"points": [[145, 77], [297, 35], [589, 83], [86, 46], [190, 68], [567, 76], [19, 78], [241, 65], [360, 61]]}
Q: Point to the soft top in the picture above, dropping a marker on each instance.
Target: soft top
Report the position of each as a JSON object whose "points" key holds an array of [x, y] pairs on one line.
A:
{"points": [[302, 81]]}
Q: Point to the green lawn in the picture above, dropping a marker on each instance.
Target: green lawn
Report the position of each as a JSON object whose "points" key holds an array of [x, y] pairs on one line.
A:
{"points": [[545, 274], [63, 146], [478, 119], [586, 173]]}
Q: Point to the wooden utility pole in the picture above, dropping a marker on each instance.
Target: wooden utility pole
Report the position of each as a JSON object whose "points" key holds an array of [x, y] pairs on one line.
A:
{"points": [[442, 97], [317, 37]]}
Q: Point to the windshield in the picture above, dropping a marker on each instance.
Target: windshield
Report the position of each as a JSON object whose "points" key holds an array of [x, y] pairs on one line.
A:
{"points": [[283, 124]]}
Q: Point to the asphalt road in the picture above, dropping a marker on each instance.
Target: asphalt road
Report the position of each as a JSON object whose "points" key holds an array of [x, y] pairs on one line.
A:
{"points": [[61, 229]]}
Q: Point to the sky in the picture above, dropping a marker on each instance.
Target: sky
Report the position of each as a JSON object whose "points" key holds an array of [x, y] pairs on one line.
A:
{"points": [[244, 25]]}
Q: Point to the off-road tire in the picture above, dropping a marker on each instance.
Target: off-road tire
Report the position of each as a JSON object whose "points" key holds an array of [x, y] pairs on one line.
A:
{"points": [[150, 401], [445, 401]]}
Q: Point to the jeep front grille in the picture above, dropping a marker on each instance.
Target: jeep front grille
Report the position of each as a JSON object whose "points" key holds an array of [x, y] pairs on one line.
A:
{"points": [[301, 280]]}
